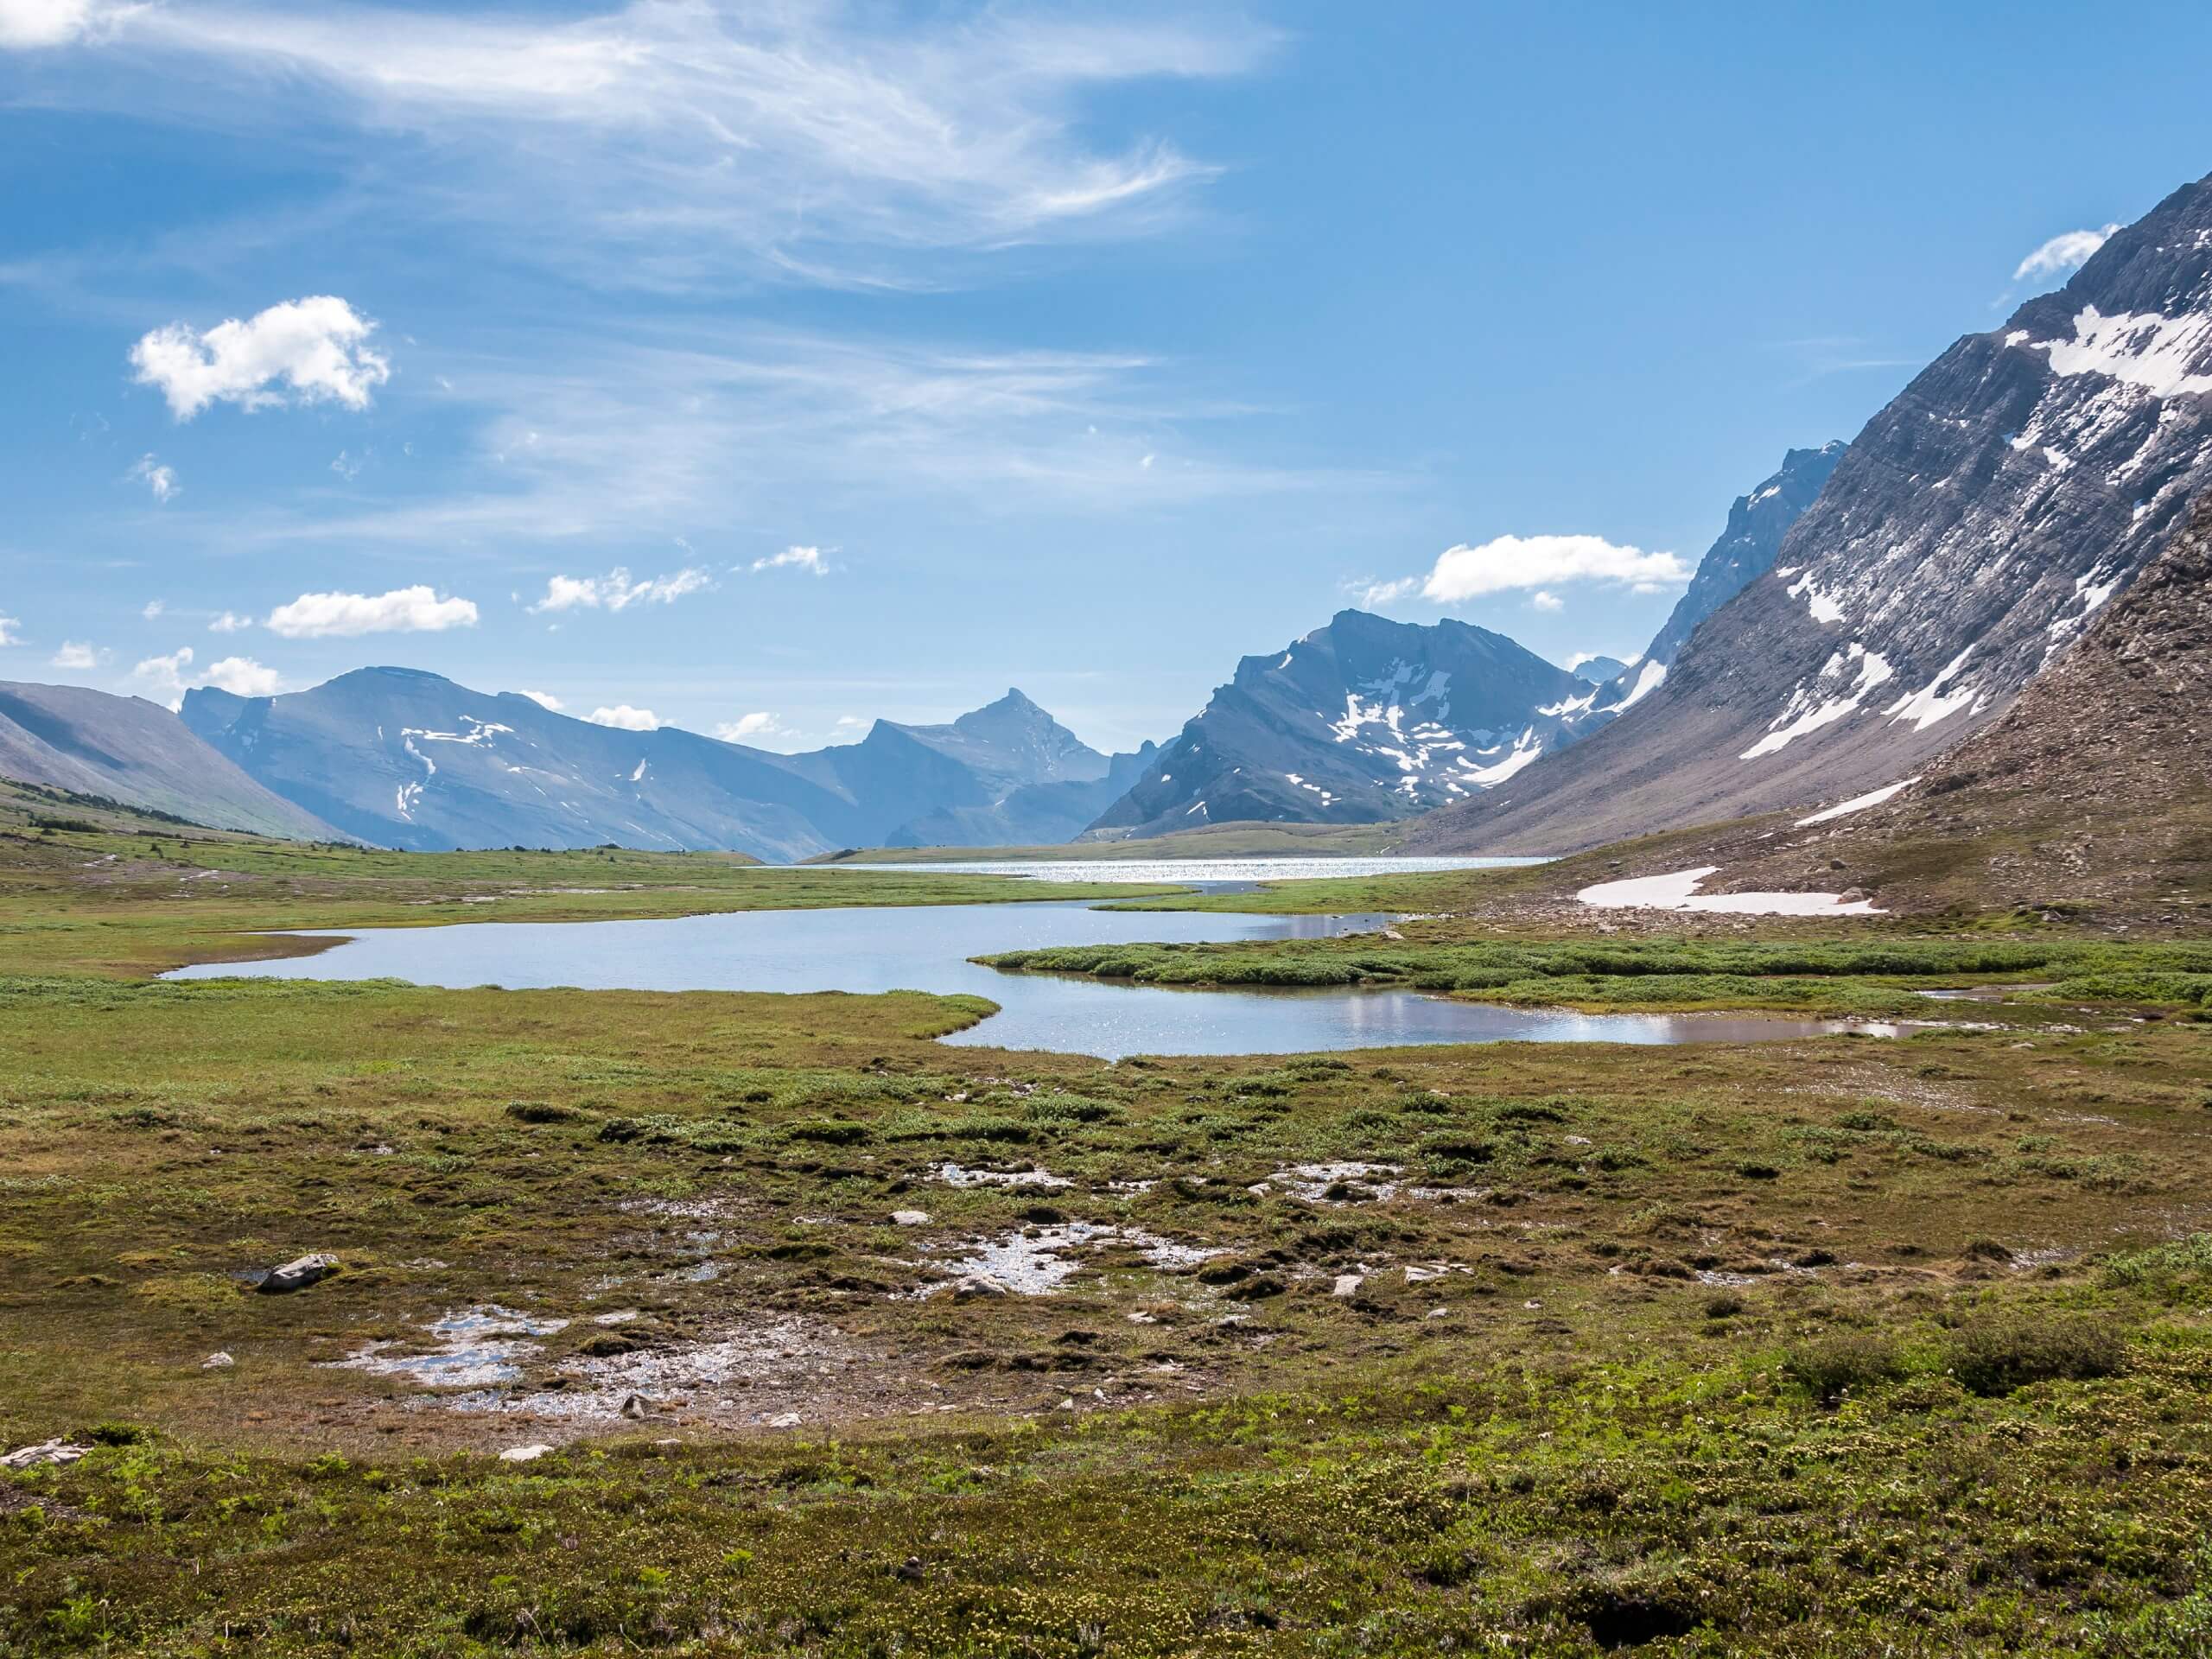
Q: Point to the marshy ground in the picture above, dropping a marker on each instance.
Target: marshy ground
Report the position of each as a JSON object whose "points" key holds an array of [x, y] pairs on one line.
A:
{"points": [[811, 1334]]}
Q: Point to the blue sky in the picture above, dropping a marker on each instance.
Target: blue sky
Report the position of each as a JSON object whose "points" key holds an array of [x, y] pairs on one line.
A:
{"points": [[772, 367]]}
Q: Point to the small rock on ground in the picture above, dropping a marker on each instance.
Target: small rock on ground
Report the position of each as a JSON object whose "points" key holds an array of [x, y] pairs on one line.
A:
{"points": [[298, 1273]]}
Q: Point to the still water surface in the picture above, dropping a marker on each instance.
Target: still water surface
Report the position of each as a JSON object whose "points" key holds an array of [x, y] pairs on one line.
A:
{"points": [[927, 948]]}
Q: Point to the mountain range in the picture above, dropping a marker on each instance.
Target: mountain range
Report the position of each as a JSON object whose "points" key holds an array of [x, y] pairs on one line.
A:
{"points": [[409, 759], [1982, 551]]}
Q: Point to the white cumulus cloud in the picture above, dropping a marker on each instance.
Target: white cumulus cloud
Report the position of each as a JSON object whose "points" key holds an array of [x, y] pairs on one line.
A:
{"points": [[2065, 252], [244, 677], [403, 610], [546, 700], [616, 591], [1506, 563], [9, 630], [160, 479], [1544, 601], [167, 679], [626, 718], [746, 728], [153, 608], [76, 654], [230, 622], [809, 559], [310, 350]]}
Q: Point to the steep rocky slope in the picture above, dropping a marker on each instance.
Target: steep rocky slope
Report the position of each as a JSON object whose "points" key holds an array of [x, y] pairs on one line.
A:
{"points": [[2094, 788], [135, 752], [1966, 540]]}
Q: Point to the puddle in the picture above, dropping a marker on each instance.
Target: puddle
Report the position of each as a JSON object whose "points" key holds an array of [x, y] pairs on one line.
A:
{"points": [[1311, 1182], [1035, 1262], [718, 1373], [955, 1175], [476, 1348]]}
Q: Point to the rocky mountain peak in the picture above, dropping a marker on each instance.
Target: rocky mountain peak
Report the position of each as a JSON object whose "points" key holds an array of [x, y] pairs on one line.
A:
{"points": [[1963, 542]]}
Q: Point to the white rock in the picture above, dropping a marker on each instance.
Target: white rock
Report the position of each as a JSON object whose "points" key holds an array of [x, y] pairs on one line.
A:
{"points": [[784, 1419], [523, 1453], [910, 1218], [1348, 1284], [53, 1450], [217, 1361]]}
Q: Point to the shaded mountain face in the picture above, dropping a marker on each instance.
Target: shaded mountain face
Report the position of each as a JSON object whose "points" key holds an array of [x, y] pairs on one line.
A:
{"points": [[1966, 540], [1596, 671], [413, 761], [2093, 790], [1363, 721], [135, 752]]}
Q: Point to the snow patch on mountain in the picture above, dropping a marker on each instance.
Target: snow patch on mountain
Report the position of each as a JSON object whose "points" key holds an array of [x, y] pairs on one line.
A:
{"points": [[2164, 355], [1809, 709]]}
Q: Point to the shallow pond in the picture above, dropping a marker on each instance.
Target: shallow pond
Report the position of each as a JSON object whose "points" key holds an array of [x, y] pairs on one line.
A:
{"points": [[928, 948]]}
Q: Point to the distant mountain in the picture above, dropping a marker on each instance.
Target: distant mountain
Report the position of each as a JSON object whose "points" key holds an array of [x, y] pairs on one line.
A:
{"points": [[1596, 671], [1006, 774], [410, 759], [1966, 538], [1758, 523], [132, 751], [1361, 721]]}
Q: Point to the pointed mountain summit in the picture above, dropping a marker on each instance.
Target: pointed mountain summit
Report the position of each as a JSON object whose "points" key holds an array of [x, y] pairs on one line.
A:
{"points": [[1014, 740], [1361, 721], [1966, 540]]}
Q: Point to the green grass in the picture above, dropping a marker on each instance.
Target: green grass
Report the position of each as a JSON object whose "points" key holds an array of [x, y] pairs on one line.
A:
{"points": [[1827, 1347], [1873, 977]]}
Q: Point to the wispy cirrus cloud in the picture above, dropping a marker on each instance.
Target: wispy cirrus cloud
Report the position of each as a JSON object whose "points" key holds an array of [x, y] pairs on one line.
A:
{"points": [[684, 132], [653, 430], [809, 559], [618, 590]]}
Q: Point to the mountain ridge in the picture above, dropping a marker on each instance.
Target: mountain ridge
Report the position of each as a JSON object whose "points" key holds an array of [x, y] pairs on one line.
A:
{"points": [[137, 754], [1964, 539], [405, 757]]}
